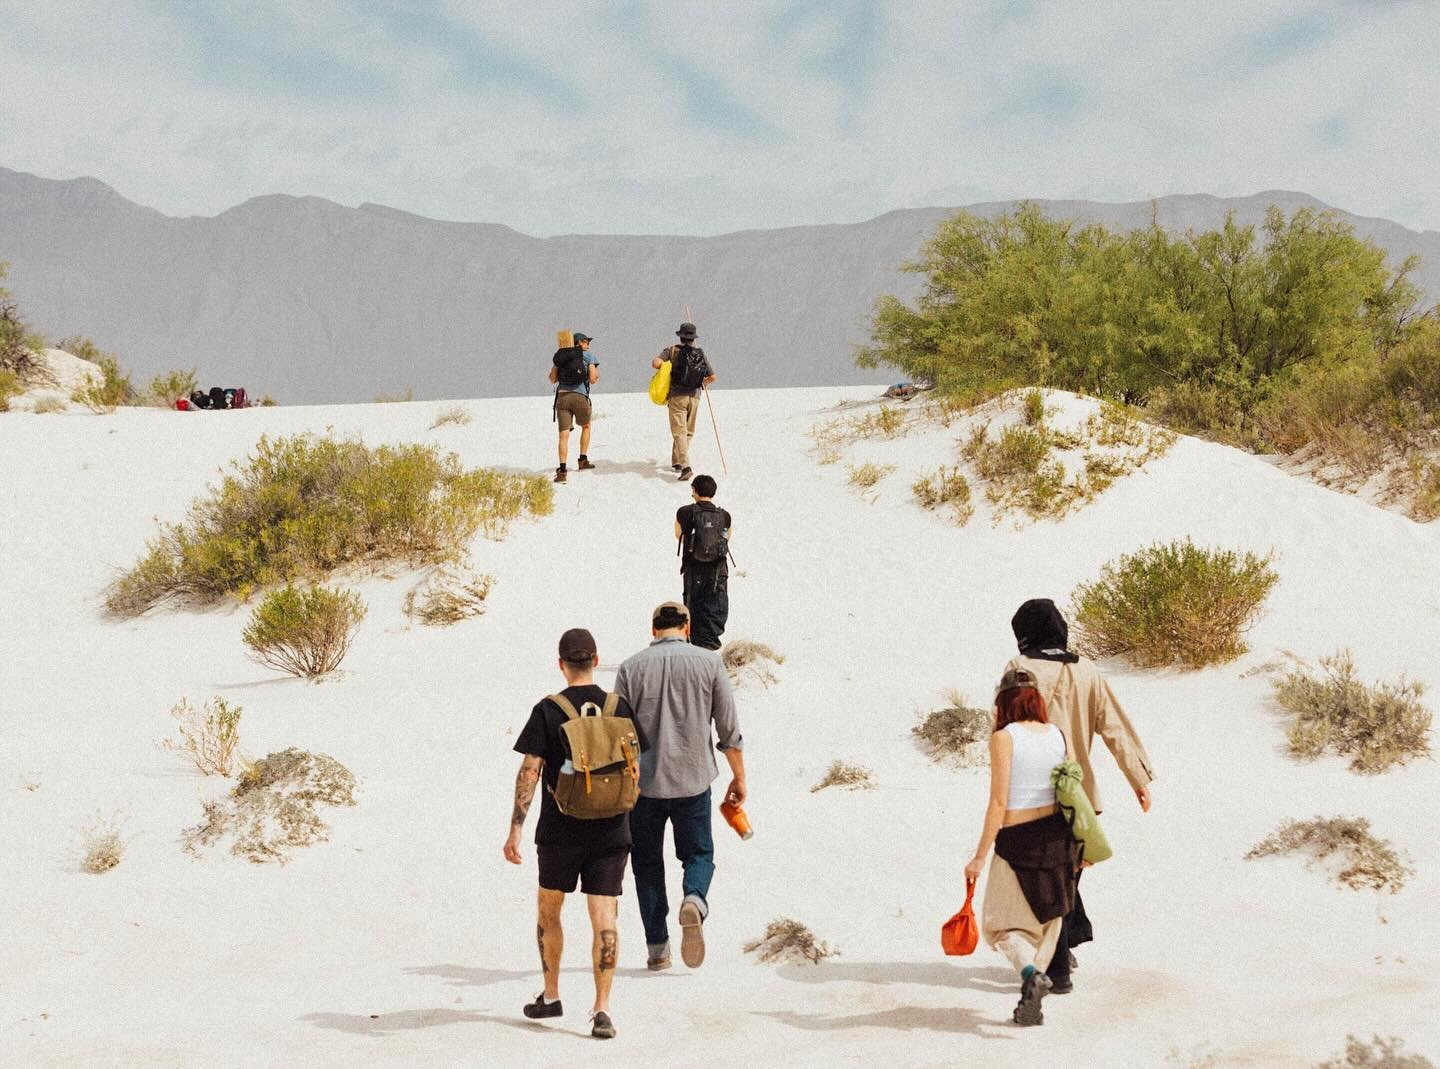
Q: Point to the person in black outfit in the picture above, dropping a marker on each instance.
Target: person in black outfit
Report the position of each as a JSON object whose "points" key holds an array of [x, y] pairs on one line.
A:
{"points": [[705, 580], [591, 852]]}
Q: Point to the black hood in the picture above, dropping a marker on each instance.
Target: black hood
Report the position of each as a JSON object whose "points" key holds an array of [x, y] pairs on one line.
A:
{"points": [[1040, 631]]}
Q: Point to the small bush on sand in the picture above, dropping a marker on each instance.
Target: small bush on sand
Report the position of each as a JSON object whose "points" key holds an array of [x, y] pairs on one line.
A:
{"points": [[1173, 604], [1367, 861], [957, 733], [831, 438], [209, 736], [9, 387], [165, 389], [1377, 1054], [448, 595], [396, 398], [303, 506], [48, 405], [1377, 726], [272, 808], [789, 943], [113, 390], [867, 476], [948, 486], [102, 847], [304, 632], [743, 658], [844, 774], [456, 414], [1032, 409]]}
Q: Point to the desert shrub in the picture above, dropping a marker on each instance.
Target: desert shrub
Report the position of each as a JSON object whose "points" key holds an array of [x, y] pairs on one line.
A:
{"points": [[395, 398], [273, 806], [831, 437], [867, 476], [102, 847], [19, 345], [744, 658], [113, 389], [448, 595], [844, 774], [1033, 408], [957, 733], [9, 387], [1377, 727], [1173, 604], [1377, 1054], [303, 506], [1019, 472], [459, 415], [267, 402], [304, 632], [48, 405], [1366, 860], [209, 736], [164, 389], [789, 942], [947, 486], [1423, 476]]}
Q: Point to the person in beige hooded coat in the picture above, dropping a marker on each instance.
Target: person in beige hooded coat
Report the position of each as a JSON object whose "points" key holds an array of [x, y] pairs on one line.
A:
{"points": [[1081, 703]]}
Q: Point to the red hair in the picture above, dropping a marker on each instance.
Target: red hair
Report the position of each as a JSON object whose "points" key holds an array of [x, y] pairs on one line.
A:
{"points": [[1017, 704]]}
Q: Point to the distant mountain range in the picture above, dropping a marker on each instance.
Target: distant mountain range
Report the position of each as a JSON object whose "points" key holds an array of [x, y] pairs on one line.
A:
{"points": [[313, 302]]}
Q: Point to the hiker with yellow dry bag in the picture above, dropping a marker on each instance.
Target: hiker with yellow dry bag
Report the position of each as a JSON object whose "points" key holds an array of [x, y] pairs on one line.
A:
{"points": [[690, 373]]}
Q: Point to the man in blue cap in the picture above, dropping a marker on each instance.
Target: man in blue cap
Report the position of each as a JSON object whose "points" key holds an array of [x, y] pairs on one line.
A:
{"points": [[573, 372]]}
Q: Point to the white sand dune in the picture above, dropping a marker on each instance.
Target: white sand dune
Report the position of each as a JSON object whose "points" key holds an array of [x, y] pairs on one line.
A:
{"points": [[407, 940]]}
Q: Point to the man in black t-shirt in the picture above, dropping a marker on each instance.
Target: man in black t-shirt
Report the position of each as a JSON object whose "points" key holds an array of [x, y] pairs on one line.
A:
{"points": [[705, 591], [590, 852]]}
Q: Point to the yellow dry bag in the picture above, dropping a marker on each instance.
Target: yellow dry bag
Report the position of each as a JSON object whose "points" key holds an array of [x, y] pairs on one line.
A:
{"points": [[660, 384]]}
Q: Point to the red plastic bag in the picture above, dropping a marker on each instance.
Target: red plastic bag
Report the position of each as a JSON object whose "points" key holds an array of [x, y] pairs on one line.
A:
{"points": [[960, 934]]}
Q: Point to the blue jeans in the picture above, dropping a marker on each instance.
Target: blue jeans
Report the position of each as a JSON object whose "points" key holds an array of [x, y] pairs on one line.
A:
{"points": [[694, 846]]}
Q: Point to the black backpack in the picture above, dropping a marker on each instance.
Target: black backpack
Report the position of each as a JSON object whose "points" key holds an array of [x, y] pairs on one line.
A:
{"points": [[570, 369], [708, 543], [687, 367]]}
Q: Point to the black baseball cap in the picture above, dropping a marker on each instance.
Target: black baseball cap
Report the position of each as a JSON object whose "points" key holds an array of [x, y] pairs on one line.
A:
{"points": [[577, 646]]}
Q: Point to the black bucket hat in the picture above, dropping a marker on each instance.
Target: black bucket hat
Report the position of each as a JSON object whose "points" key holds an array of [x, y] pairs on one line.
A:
{"points": [[686, 331]]}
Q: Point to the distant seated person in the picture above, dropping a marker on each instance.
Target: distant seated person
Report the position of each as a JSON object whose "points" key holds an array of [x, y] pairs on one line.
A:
{"points": [[219, 397]]}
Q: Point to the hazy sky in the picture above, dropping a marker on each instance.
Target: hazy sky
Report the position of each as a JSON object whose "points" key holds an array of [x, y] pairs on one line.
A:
{"points": [[667, 117]]}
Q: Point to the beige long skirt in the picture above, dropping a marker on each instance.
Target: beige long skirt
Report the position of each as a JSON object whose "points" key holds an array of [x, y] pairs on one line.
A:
{"points": [[1008, 924]]}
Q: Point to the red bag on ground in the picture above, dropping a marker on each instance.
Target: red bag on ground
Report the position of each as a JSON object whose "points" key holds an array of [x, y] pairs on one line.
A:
{"points": [[960, 934]]}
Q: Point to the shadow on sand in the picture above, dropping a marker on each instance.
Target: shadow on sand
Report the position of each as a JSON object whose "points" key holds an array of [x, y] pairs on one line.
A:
{"points": [[388, 1024], [900, 1019], [928, 974]]}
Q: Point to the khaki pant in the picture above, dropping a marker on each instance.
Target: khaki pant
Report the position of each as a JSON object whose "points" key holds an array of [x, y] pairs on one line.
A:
{"points": [[1009, 925], [683, 412]]}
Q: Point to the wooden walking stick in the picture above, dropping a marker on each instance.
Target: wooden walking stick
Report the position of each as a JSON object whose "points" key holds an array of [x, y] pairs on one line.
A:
{"points": [[710, 405]]}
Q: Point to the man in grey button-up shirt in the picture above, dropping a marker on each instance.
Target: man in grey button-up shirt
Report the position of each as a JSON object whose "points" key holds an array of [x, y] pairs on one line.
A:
{"points": [[678, 691]]}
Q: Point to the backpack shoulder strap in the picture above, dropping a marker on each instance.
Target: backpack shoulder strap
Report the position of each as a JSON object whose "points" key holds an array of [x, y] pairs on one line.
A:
{"points": [[565, 706], [612, 702]]}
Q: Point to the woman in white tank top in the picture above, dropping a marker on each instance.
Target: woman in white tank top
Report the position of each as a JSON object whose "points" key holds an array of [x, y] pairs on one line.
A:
{"points": [[1023, 823]]}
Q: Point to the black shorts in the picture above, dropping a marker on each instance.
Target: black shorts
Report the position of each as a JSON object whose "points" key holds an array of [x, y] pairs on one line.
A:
{"points": [[599, 872]]}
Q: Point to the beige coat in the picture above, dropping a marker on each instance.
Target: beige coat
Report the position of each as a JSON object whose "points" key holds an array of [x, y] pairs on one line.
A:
{"points": [[1081, 704]]}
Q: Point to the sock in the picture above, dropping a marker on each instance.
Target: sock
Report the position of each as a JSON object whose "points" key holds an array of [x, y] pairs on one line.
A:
{"points": [[1027, 972], [584, 457], [562, 465]]}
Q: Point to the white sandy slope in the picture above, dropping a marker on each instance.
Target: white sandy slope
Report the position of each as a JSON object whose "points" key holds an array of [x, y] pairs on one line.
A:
{"points": [[65, 374], [407, 940]]}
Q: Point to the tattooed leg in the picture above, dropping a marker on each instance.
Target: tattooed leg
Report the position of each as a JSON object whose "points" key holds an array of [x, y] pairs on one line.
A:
{"points": [[551, 939], [605, 948]]}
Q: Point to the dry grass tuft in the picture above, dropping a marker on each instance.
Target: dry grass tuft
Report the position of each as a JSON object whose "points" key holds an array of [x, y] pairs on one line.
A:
{"points": [[49, 405], [448, 595], [1368, 861], [844, 774], [832, 437], [945, 487], [958, 733], [102, 847], [744, 658], [866, 476], [209, 736], [272, 808], [1377, 1054], [789, 942], [458, 415], [1378, 726], [1172, 604]]}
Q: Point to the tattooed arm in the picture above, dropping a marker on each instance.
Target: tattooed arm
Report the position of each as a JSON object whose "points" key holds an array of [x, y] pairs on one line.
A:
{"points": [[526, 782]]}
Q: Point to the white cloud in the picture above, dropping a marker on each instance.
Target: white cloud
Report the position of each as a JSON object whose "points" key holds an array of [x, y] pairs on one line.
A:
{"points": [[669, 117]]}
